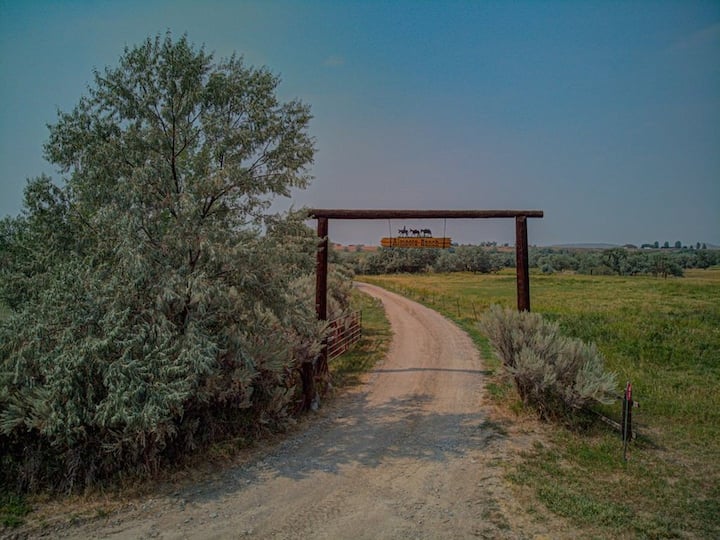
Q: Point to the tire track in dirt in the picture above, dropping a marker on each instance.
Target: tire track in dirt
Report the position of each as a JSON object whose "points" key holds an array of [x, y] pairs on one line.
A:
{"points": [[410, 453]]}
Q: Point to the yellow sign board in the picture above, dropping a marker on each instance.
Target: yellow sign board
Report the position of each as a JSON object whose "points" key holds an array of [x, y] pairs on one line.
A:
{"points": [[415, 242]]}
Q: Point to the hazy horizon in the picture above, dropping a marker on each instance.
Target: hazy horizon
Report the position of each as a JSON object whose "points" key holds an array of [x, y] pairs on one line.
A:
{"points": [[605, 115]]}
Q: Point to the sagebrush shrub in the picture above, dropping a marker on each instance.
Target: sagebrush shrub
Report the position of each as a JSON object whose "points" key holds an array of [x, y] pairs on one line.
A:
{"points": [[153, 297], [551, 372]]}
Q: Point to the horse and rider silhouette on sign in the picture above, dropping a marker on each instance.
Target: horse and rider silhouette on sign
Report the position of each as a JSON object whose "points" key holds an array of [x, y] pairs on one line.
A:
{"points": [[410, 237], [416, 233]]}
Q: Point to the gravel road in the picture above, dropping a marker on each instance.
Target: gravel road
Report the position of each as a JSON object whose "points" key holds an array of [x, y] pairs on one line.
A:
{"points": [[410, 453]]}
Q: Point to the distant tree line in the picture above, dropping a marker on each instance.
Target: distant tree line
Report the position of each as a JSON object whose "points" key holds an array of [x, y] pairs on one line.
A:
{"points": [[485, 259], [409, 260], [622, 261], [677, 245]]}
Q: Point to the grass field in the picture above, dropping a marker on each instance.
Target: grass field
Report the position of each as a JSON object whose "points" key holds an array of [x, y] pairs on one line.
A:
{"points": [[664, 337]]}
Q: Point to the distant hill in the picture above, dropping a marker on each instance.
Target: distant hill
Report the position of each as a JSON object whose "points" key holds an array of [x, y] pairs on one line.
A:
{"points": [[579, 245], [610, 246], [354, 247], [585, 246]]}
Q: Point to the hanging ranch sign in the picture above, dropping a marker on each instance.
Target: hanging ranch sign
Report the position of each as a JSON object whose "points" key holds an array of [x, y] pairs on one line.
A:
{"points": [[415, 242]]}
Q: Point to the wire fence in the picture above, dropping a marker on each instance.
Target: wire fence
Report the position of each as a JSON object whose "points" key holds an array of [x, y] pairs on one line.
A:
{"points": [[459, 306]]}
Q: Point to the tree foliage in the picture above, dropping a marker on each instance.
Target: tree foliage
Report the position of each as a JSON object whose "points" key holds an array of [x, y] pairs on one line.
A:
{"points": [[155, 300], [413, 260]]}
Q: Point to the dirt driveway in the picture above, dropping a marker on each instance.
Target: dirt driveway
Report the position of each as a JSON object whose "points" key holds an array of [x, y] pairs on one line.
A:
{"points": [[410, 453]]}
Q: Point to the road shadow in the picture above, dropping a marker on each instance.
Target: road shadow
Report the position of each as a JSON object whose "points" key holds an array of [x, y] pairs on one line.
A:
{"points": [[364, 434]]}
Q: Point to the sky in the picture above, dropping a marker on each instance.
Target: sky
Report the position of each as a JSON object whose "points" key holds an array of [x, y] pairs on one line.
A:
{"points": [[605, 115]]}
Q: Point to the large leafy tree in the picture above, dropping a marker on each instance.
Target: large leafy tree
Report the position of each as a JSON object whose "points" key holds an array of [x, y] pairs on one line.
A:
{"points": [[152, 294]]}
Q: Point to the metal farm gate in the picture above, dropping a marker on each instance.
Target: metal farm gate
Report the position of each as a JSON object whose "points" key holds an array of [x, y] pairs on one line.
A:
{"points": [[343, 332]]}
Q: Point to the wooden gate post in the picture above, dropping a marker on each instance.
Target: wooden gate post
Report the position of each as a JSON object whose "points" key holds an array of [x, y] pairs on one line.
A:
{"points": [[321, 269], [522, 264]]}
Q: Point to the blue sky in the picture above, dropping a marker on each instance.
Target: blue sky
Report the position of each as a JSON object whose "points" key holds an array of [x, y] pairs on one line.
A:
{"points": [[606, 115]]}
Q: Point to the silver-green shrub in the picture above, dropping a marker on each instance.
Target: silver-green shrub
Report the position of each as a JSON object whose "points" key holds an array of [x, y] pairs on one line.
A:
{"points": [[153, 297], [551, 372]]}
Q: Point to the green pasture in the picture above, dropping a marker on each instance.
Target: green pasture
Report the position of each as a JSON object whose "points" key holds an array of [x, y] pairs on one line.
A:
{"points": [[663, 335]]}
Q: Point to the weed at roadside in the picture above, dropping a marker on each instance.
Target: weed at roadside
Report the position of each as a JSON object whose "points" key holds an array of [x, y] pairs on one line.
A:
{"points": [[13, 508]]}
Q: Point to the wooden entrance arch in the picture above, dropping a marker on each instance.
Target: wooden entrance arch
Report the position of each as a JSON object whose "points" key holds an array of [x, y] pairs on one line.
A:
{"points": [[324, 215]]}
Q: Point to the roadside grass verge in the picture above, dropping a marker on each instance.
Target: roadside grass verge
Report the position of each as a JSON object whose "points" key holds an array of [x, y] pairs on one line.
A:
{"points": [[663, 335], [372, 347], [13, 508]]}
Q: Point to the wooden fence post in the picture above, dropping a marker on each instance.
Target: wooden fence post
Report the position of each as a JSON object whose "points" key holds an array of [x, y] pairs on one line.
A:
{"points": [[321, 269], [522, 264]]}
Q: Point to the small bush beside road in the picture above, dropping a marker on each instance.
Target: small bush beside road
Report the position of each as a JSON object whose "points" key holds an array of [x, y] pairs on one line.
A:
{"points": [[552, 373]]}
